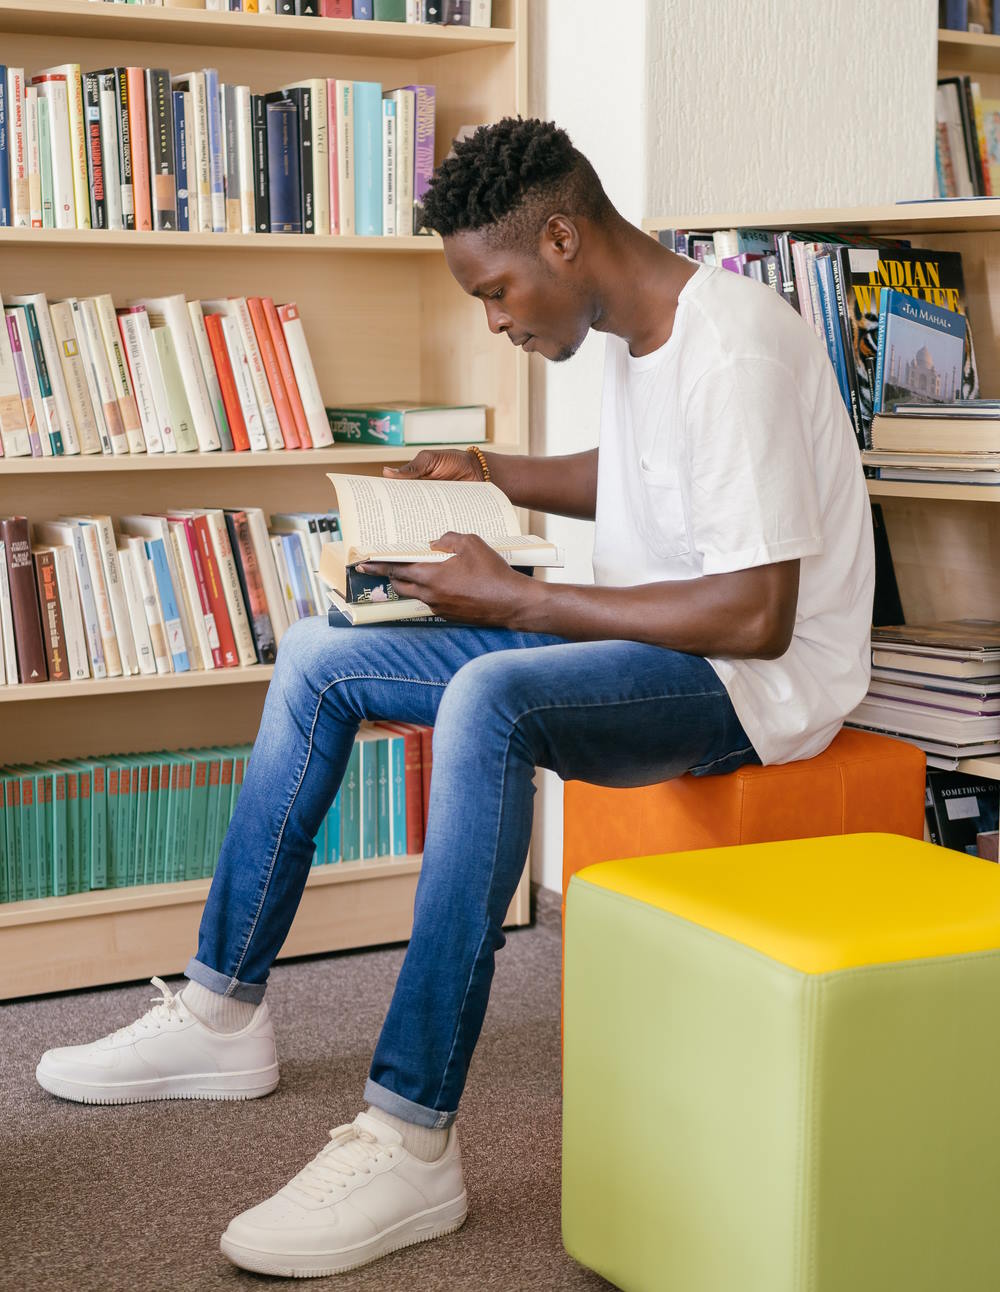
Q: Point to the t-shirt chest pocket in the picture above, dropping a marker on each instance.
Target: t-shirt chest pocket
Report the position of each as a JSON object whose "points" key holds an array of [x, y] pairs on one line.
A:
{"points": [[662, 520]]}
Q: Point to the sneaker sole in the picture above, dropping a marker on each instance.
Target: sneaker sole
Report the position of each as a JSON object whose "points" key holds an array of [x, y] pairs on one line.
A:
{"points": [[434, 1223], [209, 1085]]}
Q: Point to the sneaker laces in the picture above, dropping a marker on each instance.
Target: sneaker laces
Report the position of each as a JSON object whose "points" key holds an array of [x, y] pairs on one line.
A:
{"points": [[166, 1008], [350, 1152]]}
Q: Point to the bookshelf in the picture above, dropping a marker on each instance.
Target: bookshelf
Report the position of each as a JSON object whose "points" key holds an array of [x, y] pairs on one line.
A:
{"points": [[384, 321], [944, 538]]}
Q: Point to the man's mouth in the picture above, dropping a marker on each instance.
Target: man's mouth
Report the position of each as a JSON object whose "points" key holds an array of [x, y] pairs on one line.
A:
{"points": [[523, 341]]}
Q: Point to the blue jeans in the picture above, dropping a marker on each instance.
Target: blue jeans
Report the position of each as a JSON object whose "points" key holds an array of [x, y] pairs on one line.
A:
{"points": [[502, 703]]}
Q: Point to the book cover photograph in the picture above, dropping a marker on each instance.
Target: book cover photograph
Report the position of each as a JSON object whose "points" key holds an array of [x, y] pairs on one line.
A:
{"points": [[920, 349]]}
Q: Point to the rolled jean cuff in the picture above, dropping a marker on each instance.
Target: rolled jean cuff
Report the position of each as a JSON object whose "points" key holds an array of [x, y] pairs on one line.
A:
{"points": [[222, 985], [406, 1109]]}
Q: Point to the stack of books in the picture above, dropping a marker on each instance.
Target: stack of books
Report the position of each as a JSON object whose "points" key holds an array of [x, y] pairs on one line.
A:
{"points": [[938, 686], [955, 443], [838, 285], [140, 148], [181, 590], [151, 818], [461, 13], [159, 375], [966, 140]]}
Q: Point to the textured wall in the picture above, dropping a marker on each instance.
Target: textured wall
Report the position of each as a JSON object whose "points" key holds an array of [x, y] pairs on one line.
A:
{"points": [[718, 105], [780, 103]]}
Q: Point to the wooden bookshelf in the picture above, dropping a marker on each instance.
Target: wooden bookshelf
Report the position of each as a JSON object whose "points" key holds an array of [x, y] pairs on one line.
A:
{"points": [[384, 321]]}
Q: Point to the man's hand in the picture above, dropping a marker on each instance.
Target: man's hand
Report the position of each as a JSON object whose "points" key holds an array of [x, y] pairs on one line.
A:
{"points": [[437, 464], [475, 586]]}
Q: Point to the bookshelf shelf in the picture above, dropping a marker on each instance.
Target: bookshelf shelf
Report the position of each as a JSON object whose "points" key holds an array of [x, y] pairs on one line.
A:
{"points": [[254, 674], [269, 32], [117, 935], [969, 50], [952, 215], [165, 241], [986, 767], [384, 322]]}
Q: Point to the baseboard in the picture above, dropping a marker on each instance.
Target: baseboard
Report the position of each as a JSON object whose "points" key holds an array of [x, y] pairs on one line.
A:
{"points": [[546, 907]]}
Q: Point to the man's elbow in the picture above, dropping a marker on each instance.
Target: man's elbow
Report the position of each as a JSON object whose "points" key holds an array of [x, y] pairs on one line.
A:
{"points": [[772, 634]]}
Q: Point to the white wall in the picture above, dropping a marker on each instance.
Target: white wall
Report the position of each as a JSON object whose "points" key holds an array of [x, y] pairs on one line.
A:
{"points": [[715, 106]]}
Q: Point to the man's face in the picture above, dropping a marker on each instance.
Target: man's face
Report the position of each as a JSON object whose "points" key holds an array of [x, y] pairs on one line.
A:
{"points": [[534, 302]]}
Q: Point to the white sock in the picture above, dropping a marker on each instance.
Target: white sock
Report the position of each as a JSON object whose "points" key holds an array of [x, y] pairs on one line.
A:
{"points": [[425, 1142], [220, 1013]]}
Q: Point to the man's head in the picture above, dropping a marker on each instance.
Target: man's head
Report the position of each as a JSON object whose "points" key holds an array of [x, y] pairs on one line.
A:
{"points": [[518, 208]]}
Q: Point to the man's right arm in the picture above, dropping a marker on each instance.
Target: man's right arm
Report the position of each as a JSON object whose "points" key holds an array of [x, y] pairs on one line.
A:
{"points": [[564, 486]]}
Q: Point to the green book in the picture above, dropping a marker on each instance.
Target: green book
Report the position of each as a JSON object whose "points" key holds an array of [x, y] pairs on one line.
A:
{"points": [[383, 827], [36, 881], [195, 850], [350, 807], [84, 772], [12, 833], [132, 824], [98, 826], [209, 852], [4, 843], [43, 828], [125, 835], [369, 805], [141, 819], [397, 796], [161, 775], [112, 773], [227, 758], [181, 819], [72, 828], [149, 832], [173, 384], [57, 780], [172, 815], [390, 10], [333, 831], [240, 760]]}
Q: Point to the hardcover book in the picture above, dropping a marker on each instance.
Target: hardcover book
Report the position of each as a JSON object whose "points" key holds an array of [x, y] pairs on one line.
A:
{"points": [[919, 351]]}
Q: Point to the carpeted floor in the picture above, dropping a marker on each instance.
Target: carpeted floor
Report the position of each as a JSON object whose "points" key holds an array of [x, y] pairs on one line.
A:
{"points": [[135, 1197]]}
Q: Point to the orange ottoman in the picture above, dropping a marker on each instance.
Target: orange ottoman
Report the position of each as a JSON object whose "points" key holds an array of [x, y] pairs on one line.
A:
{"points": [[861, 783]]}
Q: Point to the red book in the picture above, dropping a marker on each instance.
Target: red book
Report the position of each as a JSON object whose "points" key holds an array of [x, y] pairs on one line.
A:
{"points": [[287, 371], [335, 9], [252, 585], [286, 418], [140, 147], [414, 786], [216, 597], [211, 626], [426, 759], [24, 599], [53, 633], [227, 382]]}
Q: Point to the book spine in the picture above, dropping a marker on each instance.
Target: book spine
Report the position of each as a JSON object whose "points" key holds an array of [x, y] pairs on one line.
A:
{"points": [[14, 438], [227, 381], [42, 108], [7, 646], [65, 425], [160, 127], [141, 386], [383, 823], [73, 830], [49, 426], [883, 316], [20, 209], [102, 600], [345, 156], [82, 338], [268, 572], [181, 112], [245, 160], [95, 152], [398, 820], [178, 320], [213, 579], [236, 612], [252, 586], [426, 764], [285, 204], [231, 159], [77, 657], [331, 141], [136, 611], [389, 168], [6, 218], [423, 147], [303, 100], [121, 382], [53, 633], [139, 140], [99, 827], [210, 375], [100, 368], [24, 599], [272, 369], [176, 644], [287, 371], [404, 160], [88, 603], [201, 596], [265, 402], [125, 175], [187, 591], [151, 360], [350, 807], [110, 150], [116, 592], [27, 399], [367, 158], [261, 186], [305, 375], [146, 581], [369, 801], [213, 113], [244, 383]]}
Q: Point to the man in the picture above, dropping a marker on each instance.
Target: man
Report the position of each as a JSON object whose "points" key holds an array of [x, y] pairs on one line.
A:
{"points": [[729, 624]]}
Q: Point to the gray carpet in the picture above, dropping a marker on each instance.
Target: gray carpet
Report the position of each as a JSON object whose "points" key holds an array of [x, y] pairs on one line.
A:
{"points": [[135, 1197]]}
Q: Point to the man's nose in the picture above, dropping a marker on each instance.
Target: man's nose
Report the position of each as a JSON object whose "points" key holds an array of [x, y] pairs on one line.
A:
{"points": [[496, 318]]}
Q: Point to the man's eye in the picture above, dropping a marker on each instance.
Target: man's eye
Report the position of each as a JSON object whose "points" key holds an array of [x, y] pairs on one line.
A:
{"points": [[497, 295]]}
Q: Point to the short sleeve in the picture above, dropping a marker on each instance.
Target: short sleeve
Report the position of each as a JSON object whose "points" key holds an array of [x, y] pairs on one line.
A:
{"points": [[754, 499]]}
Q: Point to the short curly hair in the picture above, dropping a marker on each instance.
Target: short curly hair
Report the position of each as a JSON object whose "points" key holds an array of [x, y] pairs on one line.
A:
{"points": [[510, 177]]}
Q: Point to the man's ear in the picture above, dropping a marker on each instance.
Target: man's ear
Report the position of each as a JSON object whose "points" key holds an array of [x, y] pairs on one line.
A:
{"points": [[560, 238]]}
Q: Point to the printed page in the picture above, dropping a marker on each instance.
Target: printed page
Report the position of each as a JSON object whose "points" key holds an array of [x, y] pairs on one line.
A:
{"points": [[401, 518]]}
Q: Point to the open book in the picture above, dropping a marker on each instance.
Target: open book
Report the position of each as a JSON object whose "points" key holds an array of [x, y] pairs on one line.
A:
{"points": [[395, 521]]}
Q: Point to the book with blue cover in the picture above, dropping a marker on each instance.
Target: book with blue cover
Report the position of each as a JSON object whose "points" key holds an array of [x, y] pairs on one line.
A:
{"points": [[368, 158], [920, 351], [283, 170]]}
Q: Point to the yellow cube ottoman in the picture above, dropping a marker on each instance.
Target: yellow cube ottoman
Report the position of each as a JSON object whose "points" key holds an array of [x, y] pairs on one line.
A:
{"points": [[782, 1069]]}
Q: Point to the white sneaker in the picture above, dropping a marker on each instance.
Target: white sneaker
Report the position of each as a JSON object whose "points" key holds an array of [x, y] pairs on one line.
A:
{"points": [[360, 1198], [166, 1054]]}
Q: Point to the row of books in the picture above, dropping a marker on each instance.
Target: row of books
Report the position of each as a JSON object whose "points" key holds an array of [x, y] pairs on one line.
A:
{"points": [[460, 13], [932, 443], [187, 589], [138, 148], [966, 140], [836, 283], [980, 16], [938, 686], [158, 375], [115, 822]]}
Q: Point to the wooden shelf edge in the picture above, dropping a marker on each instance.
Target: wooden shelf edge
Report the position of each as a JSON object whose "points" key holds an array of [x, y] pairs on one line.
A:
{"points": [[166, 240], [91, 687], [338, 455], [265, 32], [968, 39], [937, 215], [914, 489], [988, 767]]}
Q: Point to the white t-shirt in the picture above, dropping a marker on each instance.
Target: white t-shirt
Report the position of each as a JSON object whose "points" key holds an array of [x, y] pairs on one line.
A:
{"points": [[730, 447]]}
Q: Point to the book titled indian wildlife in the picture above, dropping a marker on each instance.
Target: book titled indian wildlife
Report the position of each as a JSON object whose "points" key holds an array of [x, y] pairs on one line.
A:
{"points": [[919, 352]]}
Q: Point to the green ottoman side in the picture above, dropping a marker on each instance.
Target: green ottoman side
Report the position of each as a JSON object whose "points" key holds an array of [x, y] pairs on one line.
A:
{"points": [[782, 1069]]}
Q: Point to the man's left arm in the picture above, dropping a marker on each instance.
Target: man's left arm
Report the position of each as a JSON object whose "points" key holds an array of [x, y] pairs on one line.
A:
{"points": [[744, 614]]}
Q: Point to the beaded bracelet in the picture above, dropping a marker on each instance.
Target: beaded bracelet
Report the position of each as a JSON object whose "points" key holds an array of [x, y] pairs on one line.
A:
{"points": [[480, 457]]}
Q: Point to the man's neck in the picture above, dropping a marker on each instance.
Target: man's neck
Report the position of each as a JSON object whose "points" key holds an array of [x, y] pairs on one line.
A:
{"points": [[643, 282]]}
